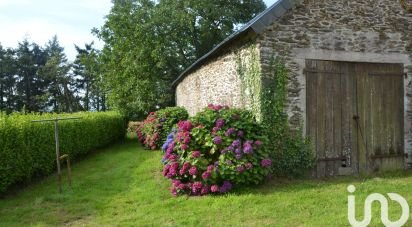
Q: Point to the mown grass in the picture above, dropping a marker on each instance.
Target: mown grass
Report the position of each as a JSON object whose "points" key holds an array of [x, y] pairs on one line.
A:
{"points": [[123, 186]]}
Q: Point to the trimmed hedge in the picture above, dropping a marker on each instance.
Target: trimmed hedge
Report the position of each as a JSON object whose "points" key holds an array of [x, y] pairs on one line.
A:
{"points": [[27, 149]]}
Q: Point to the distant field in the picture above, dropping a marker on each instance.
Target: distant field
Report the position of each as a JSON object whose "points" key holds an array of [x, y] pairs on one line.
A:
{"points": [[122, 185]]}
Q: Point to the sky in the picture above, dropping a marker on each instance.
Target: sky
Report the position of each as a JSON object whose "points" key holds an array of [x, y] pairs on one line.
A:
{"points": [[39, 20]]}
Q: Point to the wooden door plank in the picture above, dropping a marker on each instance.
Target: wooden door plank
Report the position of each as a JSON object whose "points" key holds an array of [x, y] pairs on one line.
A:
{"points": [[360, 103]]}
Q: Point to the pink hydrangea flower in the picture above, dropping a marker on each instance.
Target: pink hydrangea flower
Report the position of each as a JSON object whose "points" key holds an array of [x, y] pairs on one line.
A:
{"points": [[205, 190], [206, 175], [193, 170], [196, 154], [214, 188], [186, 165]]}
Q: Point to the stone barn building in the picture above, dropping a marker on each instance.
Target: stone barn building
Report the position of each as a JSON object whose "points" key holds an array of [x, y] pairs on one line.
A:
{"points": [[349, 77]]}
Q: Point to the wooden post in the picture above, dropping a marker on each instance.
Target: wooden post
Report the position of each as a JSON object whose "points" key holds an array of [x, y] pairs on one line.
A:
{"points": [[56, 138], [69, 171]]}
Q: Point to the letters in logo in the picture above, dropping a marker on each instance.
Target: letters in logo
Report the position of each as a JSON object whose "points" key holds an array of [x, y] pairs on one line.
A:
{"points": [[384, 209]]}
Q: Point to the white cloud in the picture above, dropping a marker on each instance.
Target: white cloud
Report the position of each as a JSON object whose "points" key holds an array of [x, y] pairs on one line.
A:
{"points": [[39, 20]]}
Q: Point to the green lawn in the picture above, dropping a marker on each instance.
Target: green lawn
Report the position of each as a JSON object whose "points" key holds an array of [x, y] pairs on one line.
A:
{"points": [[122, 185]]}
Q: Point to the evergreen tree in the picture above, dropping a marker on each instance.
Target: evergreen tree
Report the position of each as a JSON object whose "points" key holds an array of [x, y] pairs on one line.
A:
{"points": [[30, 87]]}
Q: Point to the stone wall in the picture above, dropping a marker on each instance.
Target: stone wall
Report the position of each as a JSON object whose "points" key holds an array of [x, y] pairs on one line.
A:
{"points": [[216, 82], [342, 30]]}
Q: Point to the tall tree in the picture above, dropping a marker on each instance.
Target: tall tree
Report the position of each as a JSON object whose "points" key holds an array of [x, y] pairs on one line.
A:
{"points": [[87, 68], [30, 87], [56, 75], [7, 79], [148, 43]]}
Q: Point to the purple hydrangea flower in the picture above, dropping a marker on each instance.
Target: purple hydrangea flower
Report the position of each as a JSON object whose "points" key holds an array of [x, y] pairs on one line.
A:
{"points": [[266, 163], [217, 140], [165, 145], [210, 168], [230, 148], [236, 143], [258, 143], [224, 151], [240, 134], [238, 156], [220, 122], [229, 162], [229, 132], [247, 148], [238, 151], [227, 186], [240, 169], [171, 136]]}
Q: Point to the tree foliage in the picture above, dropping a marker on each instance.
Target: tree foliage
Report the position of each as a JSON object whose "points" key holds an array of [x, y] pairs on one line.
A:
{"points": [[87, 69], [149, 43], [41, 79]]}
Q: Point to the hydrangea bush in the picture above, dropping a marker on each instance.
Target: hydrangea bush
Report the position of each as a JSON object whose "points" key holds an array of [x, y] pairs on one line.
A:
{"points": [[155, 128], [216, 150]]}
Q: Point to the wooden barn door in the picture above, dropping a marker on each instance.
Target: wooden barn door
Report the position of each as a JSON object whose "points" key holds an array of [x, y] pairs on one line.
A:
{"points": [[330, 108], [354, 116], [380, 116]]}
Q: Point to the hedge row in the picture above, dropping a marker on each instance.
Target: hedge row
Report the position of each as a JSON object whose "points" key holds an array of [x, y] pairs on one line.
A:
{"points": [[27, 149]]}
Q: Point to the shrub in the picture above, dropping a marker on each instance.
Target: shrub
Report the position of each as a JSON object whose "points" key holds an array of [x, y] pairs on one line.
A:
{"points": [[27, 149], [293, 157], [292, 154], [154, 129], [215, 150], [132, 126]]}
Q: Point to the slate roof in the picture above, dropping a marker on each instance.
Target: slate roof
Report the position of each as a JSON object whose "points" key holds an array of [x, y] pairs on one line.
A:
{"points": [[256, 25]]}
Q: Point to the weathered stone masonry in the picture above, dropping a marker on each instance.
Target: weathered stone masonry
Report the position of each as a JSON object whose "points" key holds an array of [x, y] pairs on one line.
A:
{"points": [[216, 82], [376, 31]]}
